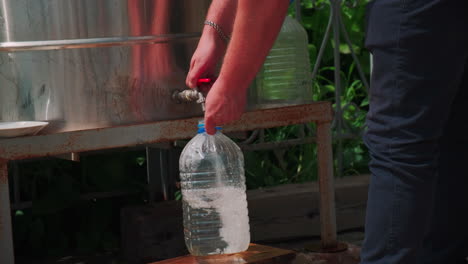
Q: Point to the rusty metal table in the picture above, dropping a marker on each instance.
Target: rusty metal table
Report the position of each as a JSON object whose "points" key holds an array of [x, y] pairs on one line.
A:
{"points": [[319, 113]]}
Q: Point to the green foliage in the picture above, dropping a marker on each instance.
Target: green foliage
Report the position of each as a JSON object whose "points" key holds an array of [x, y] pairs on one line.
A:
{"points": [[269, 168], [298, 164]]}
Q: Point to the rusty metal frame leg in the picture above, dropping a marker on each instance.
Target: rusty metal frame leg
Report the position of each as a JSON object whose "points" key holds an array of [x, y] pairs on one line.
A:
{"points": [[326, 186], [157, 173], [6, 235]]}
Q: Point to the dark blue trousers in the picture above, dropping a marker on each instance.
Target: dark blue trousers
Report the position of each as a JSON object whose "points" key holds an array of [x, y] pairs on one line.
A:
{"points": [[417, 132]]}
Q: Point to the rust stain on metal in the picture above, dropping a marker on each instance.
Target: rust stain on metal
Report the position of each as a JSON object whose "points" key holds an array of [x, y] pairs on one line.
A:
{"points": [[154, 132], [314, 112], [3, 171], [3, 181], [326, 186], [72, 141]]}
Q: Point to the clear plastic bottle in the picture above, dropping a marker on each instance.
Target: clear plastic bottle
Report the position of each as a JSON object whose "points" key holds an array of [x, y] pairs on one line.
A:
{"points": [[285, 77], [213, 194]]}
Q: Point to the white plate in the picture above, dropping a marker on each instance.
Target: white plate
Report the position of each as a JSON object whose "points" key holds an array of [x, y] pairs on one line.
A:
{"points": [[20, 128]]}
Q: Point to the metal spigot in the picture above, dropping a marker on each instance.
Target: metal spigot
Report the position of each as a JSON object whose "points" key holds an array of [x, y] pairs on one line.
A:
{"points": [[189, 95], [192, 95]]}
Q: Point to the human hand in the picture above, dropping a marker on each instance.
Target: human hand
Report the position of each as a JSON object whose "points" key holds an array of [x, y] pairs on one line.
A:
{"points": [[225, 103], [205, 59]]}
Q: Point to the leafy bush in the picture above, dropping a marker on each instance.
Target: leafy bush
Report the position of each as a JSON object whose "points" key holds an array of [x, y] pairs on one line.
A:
{"points": [[298, 164]]}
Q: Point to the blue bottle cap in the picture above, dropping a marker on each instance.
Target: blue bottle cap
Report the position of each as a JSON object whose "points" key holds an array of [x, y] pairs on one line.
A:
{"points": [[201, 128]]}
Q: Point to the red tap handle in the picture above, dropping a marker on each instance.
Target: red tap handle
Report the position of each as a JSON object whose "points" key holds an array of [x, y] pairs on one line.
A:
{"points": [[204, 81]]}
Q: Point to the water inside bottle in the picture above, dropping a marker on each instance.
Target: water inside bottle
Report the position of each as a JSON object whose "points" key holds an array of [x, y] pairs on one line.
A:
{"points": [[213, 194], [217, 218]]}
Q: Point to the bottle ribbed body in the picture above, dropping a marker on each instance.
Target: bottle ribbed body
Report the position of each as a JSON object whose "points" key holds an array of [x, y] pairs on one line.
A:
{"points": [[214, 198], [285, 77]]}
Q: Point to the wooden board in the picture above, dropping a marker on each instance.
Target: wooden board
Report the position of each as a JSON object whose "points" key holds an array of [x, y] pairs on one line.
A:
{"points": [[256, 254]]}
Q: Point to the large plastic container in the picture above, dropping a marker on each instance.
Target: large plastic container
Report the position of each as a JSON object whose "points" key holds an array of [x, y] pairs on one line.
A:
{"points": [[213, 192], [285, 77]]}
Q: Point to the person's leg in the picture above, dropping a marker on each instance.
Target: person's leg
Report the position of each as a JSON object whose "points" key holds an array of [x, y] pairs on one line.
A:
{"points": [[419, 49], [447, 240]]}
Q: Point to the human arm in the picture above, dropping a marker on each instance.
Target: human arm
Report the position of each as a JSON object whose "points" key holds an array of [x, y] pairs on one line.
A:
{"points": [[255, 29], [211, 46]]}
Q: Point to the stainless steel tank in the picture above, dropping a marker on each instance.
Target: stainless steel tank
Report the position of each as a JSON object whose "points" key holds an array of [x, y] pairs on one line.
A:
{"points": [[82, 64]]}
